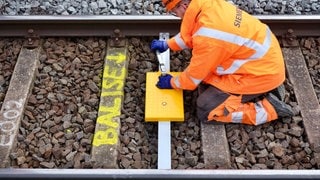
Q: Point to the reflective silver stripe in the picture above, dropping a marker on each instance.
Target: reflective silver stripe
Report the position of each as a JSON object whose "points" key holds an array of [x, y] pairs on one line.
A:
{"points": [[176, 82], [180, 42], [261, 49], [194, 80], [261, 113], [236, 117]]}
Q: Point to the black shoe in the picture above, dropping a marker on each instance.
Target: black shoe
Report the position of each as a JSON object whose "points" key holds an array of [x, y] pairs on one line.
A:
{"points": [[282, 109], [280, 92]]}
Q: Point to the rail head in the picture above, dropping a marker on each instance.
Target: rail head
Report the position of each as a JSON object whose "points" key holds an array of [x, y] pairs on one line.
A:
{"points": [[176, 174], [138, 25]]}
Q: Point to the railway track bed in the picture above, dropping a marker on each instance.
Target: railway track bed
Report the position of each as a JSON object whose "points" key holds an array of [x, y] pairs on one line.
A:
{"points": [[58, 104]]}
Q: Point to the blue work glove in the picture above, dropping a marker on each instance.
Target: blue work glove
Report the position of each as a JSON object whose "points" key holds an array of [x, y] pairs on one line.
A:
{"points": [[159, 45], [164, 82]]}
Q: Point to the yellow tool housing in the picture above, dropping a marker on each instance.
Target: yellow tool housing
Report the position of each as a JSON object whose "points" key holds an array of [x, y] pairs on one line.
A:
{"points": [[162, 104]]}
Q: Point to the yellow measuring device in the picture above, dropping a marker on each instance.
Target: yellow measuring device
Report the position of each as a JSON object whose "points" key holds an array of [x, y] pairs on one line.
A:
{"points": [[162, 104]]}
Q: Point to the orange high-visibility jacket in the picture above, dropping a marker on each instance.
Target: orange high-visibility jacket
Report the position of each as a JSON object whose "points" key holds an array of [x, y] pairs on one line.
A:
{"points": [[231, 50]]}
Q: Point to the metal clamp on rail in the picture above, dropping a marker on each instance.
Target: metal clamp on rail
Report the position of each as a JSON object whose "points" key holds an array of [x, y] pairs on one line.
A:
{"points": [[32, 40], [117, 39], [289, 39]]}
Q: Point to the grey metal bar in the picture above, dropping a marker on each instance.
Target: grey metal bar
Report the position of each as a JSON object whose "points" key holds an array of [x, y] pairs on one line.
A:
{"points": [[157, 174], [139, 25], [164, 127]]}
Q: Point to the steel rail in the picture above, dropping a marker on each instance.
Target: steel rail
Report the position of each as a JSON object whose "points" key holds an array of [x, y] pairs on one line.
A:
{"points": [[139, 25], [138, 174]]}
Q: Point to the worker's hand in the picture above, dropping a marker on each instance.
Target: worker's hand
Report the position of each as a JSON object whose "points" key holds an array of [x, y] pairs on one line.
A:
{"points": [[159, 45], [164, 82]]}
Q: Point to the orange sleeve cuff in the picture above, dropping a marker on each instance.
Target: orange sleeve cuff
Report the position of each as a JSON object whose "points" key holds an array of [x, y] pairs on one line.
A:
{"points": [[173, 84], [173, 45]]}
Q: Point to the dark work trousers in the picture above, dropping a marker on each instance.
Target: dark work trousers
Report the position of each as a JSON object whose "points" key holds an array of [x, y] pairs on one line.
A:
{"points": [[211, 97]]}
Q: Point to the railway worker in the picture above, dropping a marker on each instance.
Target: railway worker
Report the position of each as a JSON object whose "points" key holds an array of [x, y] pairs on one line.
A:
{"points": [[236, 63]]}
